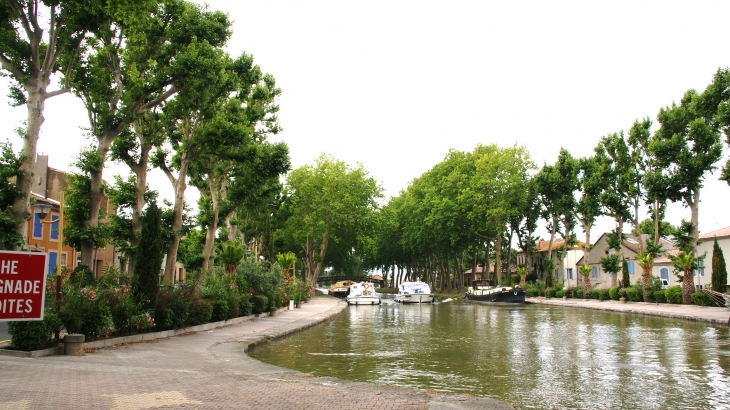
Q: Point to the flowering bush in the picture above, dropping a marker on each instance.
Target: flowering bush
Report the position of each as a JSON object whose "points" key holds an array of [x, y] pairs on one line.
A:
{"points": [[82, 311]]}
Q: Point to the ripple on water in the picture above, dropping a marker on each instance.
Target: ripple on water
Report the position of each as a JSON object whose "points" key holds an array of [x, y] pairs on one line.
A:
{"points": [[532, 356]]}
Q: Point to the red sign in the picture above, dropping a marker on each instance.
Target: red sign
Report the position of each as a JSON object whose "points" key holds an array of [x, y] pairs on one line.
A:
{"points": [[22, 285]]}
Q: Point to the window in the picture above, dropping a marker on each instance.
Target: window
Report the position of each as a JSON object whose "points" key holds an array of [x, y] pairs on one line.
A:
{"points": [[52, 262], [37, 227], [594, 271], [570, 273], [701, 265], [664, 272], [630, 265], [54, 228]]}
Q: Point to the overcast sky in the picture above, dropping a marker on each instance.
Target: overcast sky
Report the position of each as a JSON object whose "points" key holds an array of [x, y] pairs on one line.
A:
{"points": [[395, 84]]}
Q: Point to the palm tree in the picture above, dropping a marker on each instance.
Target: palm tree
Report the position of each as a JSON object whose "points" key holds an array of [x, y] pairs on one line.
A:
{"points": [[287, 261], [585, 270], [685, 262], [523, 273], [646, 261], [231, 255]]}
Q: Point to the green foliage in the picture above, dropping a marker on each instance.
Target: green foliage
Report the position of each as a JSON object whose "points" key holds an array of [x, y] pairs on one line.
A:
{"points": [[610, 264], [82, 276], [259, 277], [9, 168], [84, 310], [231, 253], [635, 293], [702, 299], [719, 270], [625, 278], [613, 293], [34, 335], [259, 303], [78, 212], [673, 295], [660, 296], [603, 294], [224, 298], [560, 293], [149, 256], [190, 251], [576, 292], [330, 203]]}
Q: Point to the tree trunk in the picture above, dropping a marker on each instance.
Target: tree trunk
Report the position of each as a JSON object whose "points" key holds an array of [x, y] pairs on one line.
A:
{"points": [[210, 234], [96, 195], [180, 185], [35, 105], [586, 284], [487, 263], [688, 287], [498, 261], [647, 281]]}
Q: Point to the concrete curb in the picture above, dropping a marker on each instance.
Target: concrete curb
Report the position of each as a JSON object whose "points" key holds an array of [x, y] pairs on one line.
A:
{"points": [[641, 308], [142, 337], [287, 329]]}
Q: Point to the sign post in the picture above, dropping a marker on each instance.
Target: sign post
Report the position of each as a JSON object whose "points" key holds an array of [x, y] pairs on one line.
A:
{"points": [[22, 285]]}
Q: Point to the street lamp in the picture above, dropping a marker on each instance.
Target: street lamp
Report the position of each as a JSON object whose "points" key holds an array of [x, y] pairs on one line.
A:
{"points": [[42, 210]]}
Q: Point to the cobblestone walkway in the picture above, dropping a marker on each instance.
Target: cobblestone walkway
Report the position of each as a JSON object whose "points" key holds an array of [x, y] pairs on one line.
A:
{"points": [[204, 370]]}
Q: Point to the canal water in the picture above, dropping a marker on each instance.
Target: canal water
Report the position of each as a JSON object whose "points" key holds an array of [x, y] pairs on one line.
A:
{"points": [[535, 357]]}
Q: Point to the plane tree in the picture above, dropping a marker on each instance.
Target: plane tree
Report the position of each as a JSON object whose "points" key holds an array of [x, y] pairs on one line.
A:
{"points": [[131, 64], [323, 200], [38, 40], [685, 148]]}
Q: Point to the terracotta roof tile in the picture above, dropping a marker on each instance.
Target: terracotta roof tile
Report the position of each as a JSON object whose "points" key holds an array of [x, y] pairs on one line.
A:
{"points": [[723, 232]]}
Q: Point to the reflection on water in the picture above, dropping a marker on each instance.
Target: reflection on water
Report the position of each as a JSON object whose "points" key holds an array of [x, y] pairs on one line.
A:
{"points": [[532, 356]]}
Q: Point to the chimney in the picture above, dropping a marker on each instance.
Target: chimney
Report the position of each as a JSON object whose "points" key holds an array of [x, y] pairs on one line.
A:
{"points": [[40, 175]]}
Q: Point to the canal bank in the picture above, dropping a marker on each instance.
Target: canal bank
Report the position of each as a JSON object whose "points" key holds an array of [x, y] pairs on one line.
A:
{"points": [[206, 370], [713, 315]]}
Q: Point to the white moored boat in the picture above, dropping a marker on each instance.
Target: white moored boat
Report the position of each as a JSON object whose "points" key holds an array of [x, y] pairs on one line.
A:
{"points": [[414, 292], [362, 293]]}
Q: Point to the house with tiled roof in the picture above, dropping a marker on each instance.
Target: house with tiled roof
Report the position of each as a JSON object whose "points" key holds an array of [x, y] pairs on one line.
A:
{"points": [[570, 259], [706, 243], [601, 279], [470, 276]]}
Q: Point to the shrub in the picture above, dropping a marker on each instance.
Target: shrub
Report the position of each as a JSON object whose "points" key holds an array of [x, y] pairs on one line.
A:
{"points": [[577, 292], [550, 292], [533, 292], [220, 310], [559, 293], [34, 335], [660, 296], [701, 299], [244, 305], [259, 304], [622, 293], [201, 311], [515, 279], [84, 311], [650, 295], [633, 294], [82, 276], [613, 293], [674, 294], [531, 277], [590, 294]]}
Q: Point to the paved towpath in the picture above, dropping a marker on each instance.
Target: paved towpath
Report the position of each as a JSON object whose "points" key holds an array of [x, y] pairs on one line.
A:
{"points": [[205, 370], [714, 315]]}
